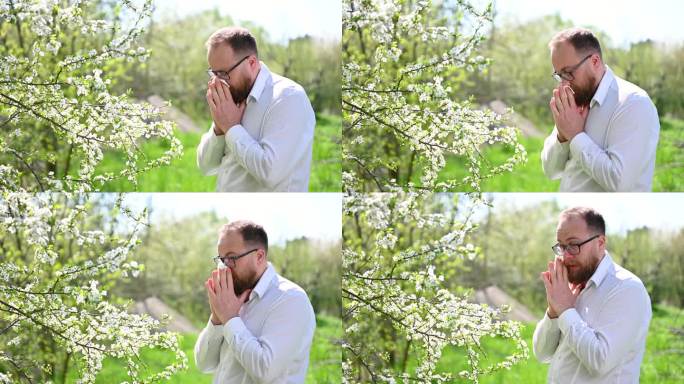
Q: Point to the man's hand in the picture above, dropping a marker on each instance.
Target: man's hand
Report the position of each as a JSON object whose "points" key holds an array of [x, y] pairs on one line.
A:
{"points": [[569, 118], [559, 295], [224, 111], [222, 299]]}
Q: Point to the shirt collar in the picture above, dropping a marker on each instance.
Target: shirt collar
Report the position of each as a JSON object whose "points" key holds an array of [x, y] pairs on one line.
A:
{"points": [[602, 270], [264, 282], [604, 85], [263, 78]]}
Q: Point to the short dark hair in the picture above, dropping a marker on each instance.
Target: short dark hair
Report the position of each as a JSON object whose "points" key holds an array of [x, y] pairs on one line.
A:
{"points": [[239, 39], [593, 219], [252, 233], [583, 40]]}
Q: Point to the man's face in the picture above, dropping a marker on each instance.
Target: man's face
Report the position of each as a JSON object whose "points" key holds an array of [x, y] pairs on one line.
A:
{"points": [[565, 58], [572, 229], [244, 270], [222, 58]]}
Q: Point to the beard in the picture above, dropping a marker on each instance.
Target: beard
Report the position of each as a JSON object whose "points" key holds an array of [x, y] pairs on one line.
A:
{"points": [[241, 284], [580, 274], [240, 91], [584, 93]]}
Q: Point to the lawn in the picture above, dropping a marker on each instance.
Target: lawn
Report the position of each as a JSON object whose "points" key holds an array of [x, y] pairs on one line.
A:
{"points": [[669, 171], [324, 366], [184, 176], [663, 362]]}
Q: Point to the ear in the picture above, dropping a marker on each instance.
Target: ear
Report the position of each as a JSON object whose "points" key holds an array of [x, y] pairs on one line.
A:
{"points": [[602, 241], [261, 255]]}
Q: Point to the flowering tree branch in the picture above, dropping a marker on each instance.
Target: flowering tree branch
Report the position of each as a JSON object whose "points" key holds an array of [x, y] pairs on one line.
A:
{"points": [[58, 116], [402, 120]]}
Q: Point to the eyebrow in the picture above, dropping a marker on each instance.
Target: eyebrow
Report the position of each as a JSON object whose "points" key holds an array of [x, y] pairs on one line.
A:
{"points": [[218, 70]]}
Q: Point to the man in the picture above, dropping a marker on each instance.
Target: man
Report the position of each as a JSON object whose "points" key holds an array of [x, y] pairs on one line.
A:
{"points": [[595, 326], [606, 129], [261, 324], [263, 124]]}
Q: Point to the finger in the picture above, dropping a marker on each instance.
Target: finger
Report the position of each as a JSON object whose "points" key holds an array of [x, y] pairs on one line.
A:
{"points": [[211, 284], [570, 97], [229, 278], [245, 295], [210, 99], [210, 290], [554, 108], [584, 111], [218, 93], [556, 270], [217, 281], [559, 101], [552, 271], [222, 279], [547, 283], [564, 273], [226, 91]]}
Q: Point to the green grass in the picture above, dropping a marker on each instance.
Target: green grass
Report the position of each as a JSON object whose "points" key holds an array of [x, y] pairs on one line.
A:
{"points": [[182, 175], [663, 361], [324, 365], [529, 177]]}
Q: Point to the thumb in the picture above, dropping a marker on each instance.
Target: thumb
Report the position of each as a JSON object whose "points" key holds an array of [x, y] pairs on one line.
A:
{"points": [[244, 295]]}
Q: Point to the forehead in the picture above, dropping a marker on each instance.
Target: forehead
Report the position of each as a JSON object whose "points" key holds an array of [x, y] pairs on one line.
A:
{"points": [[570, 226], [563, 54], [230, 241], [220, 56]]}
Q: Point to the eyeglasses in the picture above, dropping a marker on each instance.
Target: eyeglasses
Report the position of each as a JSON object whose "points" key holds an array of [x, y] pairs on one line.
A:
{"points": [[567, 75], [573, 249], [230, 260], [225, 75]]}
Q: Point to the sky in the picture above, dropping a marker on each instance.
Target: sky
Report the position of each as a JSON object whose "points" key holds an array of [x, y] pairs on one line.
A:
{"points": [[284, 216], [282, 19], [621, 212], [625, 21]]}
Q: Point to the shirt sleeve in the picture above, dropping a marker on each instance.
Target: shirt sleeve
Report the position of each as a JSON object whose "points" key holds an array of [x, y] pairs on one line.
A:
{"points": [[632, 138], [208, 348], [554, 155], [287, 139], [210, 152], [622, 322], [546, 338], [287, 332]]}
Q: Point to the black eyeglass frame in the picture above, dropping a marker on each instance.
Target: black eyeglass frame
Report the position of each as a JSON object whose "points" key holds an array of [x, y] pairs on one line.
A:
{"points": [[559, 250], [225, 75], [232, 258], [568, 75]]}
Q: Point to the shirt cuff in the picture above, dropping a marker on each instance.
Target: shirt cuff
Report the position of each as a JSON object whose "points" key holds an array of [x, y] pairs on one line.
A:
{"points": [[235, 133], [214, 141], [214, 331], [579, 143], [568, 319], [233, 328]]}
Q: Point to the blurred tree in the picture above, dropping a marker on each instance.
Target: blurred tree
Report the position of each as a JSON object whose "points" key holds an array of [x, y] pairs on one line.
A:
{"points": [[400, 257], [57, 113], [60, 257]]}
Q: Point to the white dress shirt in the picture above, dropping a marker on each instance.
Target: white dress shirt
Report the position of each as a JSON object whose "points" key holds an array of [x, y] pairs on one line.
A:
{"points": [[268, 343], [617, 150], [601, 340], [271, 149]]}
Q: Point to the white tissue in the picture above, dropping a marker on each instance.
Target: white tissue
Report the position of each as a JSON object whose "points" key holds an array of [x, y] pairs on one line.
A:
{"points": [[220, 264]]}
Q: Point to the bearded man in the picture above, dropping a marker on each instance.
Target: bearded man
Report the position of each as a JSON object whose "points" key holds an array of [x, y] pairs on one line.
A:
{"points": [[261, 324], [595, 326], [606, 129], [261, 138]]}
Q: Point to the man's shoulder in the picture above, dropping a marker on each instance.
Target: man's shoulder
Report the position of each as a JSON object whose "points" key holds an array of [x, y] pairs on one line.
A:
{"points": [[289, 288], [631, 94], [625, 279], [285, 87]]}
